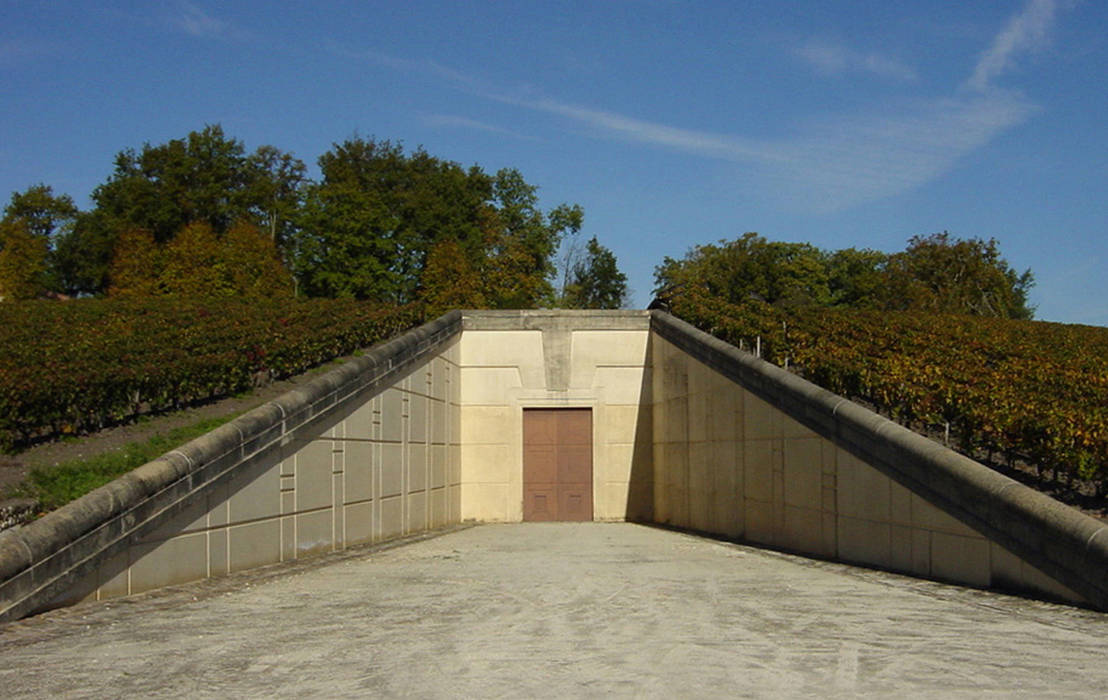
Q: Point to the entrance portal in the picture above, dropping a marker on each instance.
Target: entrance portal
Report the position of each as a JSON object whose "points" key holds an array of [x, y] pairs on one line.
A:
{"points": [[557, 464]]}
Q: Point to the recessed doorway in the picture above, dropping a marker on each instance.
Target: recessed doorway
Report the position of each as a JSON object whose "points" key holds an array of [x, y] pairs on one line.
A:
{"points": [[557, 464]]}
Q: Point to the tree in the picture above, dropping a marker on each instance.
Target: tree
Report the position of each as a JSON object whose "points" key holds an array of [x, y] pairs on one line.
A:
{"points": [[597, 282], [204, 177], [136, 265], [251, 265], [752, 267], [371, 225], [449, 281], [44, 213], [937, 273], [22, 261], [195, 265], [49, 219], [941, 273]]}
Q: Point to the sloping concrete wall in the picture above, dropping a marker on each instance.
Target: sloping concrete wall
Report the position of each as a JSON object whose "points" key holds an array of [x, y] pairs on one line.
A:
{"points": [[749, 451], [511, 360], [367, 452]]}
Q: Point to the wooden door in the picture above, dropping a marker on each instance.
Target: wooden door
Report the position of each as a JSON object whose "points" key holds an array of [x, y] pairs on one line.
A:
{"points": [[557, 464]]}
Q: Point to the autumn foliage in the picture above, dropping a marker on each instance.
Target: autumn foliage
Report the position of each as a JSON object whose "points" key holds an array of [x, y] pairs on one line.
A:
{"points": [[1008, 389], [78, 366]]}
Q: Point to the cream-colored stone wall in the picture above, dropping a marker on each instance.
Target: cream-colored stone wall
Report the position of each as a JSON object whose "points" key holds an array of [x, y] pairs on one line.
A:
{"points": [[505, 371], [729, 463], [388, 468]]}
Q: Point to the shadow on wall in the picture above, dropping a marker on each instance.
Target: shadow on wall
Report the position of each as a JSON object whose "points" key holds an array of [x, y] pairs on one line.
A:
{"points": [[640, 490]]}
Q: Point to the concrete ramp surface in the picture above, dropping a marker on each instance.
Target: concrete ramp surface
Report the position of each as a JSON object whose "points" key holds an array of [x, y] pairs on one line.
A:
{"points": [[559, 610]]}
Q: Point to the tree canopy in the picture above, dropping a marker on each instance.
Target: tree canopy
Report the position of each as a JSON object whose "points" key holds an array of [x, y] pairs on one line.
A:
{"points": [[202, 215], [937, 273]]}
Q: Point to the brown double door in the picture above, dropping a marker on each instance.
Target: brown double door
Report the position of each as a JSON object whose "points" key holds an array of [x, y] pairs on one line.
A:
{"points": [[557, 464]]}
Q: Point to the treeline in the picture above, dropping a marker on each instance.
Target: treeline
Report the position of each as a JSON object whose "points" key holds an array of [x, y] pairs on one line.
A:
{"points": [[934, 274], [202, 216]]}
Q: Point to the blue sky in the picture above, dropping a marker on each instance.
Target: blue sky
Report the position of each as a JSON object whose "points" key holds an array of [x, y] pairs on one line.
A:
{"points": [[672, 123]]}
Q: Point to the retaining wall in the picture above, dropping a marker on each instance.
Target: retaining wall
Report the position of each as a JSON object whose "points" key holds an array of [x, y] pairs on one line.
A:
{"points": [[366, 452], [426, 430], [746, 450]]}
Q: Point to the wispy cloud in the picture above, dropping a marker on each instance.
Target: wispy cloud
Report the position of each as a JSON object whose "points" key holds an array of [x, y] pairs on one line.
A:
{"points": [[834, 59], [454, 121], [195, 21], [1024, 31], [837, 161]]}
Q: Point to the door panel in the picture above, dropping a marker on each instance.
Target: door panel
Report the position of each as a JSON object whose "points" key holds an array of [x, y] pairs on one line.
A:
{"points": [[557, 464]]}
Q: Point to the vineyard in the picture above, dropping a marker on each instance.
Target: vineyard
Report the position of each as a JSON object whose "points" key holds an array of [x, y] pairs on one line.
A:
{"points": [[1023, 392], [74, 367]]}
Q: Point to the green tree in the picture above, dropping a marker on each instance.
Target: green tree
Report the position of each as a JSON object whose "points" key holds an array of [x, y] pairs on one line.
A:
{"points": [[752, 267], [22, 261], [48, 217], [205, 177], [951, 275], [597, 282]]}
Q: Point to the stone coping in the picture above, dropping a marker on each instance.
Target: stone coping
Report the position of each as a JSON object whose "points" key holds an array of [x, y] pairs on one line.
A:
{"points": [[1059, 540], [40, 560], [556, 319]]}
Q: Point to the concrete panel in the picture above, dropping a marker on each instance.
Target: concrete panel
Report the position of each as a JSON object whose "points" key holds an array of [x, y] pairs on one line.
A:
{"points": [[313, 476], [260, 497], [177, 560], [758, 522], [701, 487], [392, 517], [218, 550], [417, 418], [502, 349], [864, 541], [417, 467], [676, 483], [619, 385], [439, 512], [489, 385], [358, 472], [610, 501], [437, 466], [439, 422], [618, 424], [255, 544], [439, 369], [726, 514], [483, 425], [901, 556], [803, 531], [724, 411], [760, 420], [592, 349], [929, 517], [675, 426], [359, 424], [392, 415], [359, 523], [613, 463], [960, 559], [417, 512], [758, 467], [863, 492], [314, 532], [392, 470], [803, 473]]}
